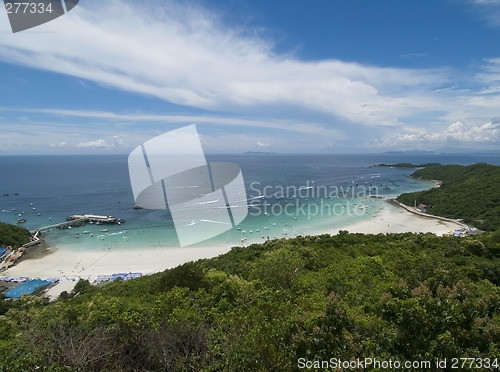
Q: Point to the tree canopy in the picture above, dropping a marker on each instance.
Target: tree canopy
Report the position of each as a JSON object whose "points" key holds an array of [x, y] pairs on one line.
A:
{"points": [[261, 308], [471, 193], [13, 235]]}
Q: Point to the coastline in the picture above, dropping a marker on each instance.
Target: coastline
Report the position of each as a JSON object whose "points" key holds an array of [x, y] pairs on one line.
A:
{"points": [[66, 264], [50, 262], [395, 219]]}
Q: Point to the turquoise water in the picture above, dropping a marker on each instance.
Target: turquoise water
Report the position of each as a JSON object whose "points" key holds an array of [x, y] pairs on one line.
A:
{"points": [[287, 195]]}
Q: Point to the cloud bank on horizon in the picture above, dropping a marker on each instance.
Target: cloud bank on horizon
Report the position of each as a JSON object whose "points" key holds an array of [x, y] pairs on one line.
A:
{"points": [[188, 64]]}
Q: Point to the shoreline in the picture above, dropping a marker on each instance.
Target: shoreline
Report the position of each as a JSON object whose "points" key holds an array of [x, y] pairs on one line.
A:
{"points": [[56, 262], [393, 218], [66, 264]]}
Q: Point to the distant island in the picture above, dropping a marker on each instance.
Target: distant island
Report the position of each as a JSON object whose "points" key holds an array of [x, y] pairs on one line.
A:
{"points": [[260, 153], [408, 165], [412, 152]]}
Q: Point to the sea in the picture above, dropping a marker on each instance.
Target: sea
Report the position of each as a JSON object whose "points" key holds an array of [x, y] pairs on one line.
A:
{"points": [[286, 195]]}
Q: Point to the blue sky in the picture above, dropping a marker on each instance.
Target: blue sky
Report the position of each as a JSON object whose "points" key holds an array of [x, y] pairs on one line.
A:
{"points": [[281, 76]]}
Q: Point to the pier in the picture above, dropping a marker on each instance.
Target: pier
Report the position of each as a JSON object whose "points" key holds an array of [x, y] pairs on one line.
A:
{"points": [[63, 225], [81, 219], [94, 218]]}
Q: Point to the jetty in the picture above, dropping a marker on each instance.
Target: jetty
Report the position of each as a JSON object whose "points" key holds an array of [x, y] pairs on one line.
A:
{"points": [[80, 220], [62, 225], [94, 218]]}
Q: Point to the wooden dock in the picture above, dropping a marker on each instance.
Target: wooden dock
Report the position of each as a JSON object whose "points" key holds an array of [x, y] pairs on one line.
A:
{"points": [[63, 225], [80, 220]]}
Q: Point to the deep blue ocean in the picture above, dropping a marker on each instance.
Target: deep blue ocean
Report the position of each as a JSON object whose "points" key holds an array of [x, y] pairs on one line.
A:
{"points": [[46, 189]]}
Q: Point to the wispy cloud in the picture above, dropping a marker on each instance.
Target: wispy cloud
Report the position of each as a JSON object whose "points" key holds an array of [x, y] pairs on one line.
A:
{"points": [[288, 125], [66, 130], [188, 56], [413, 55], [489, 10]]}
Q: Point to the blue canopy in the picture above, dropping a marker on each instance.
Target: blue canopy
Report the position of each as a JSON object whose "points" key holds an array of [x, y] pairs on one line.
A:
{"points": [[26, 288]]}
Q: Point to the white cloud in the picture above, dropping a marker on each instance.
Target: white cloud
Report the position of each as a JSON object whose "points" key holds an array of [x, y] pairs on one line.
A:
{"points": [[288, 125], [187, 56], [489, 10], [101, 143], [490, 71], [117, 141], [60, 144], [456, 134], [262, 144]]}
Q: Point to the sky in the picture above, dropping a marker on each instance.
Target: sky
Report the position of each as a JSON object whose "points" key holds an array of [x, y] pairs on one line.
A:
{"points": [[301, 76]]}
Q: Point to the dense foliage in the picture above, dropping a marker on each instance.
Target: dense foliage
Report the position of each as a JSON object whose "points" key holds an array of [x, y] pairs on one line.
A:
{"points": [[468, 192], [12, 235], [261, 308]]}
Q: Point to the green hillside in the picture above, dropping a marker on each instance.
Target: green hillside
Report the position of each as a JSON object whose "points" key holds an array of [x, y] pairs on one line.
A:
{"points": [[468, 192], [274, 307], [12, 235]]}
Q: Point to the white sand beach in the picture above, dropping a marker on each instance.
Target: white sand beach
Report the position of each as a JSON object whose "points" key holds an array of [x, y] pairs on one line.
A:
{"points": [[393, 219], [68, 263]]}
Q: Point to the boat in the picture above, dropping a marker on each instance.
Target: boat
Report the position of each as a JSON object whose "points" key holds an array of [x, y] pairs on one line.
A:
{"points": [[21, 220], [104, 230]]}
